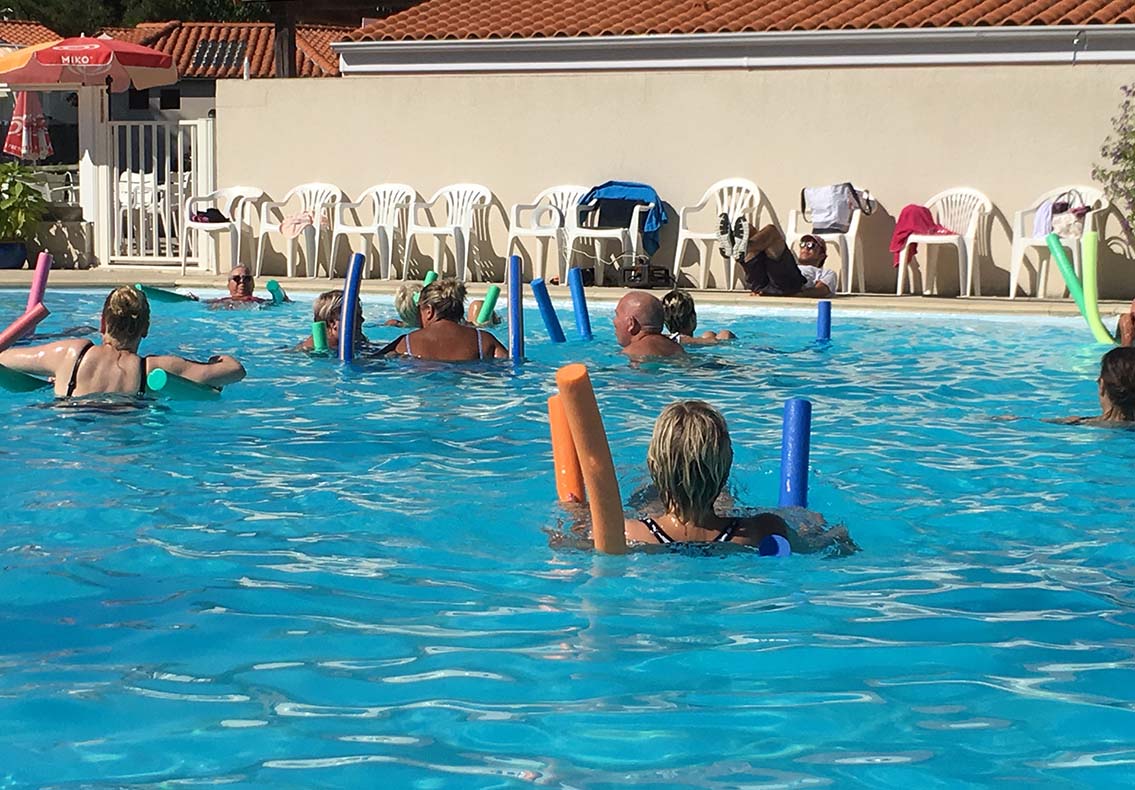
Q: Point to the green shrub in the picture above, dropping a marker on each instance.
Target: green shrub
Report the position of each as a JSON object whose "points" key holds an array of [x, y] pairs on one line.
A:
{"points": [[22, 202], [1117, 174]]}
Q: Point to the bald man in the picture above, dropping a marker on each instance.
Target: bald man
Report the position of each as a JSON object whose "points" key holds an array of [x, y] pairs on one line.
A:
{"points": [[638, 327]]}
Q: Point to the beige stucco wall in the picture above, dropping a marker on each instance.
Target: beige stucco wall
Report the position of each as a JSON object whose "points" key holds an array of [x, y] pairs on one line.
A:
{"points": [[904, 133]]}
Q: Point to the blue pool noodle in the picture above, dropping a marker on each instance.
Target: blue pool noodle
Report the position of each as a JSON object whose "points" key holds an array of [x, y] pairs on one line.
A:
{"points": [[794, 446], [515, 311], [350, 303], [824, 321], [579, 304], [547, 312]]}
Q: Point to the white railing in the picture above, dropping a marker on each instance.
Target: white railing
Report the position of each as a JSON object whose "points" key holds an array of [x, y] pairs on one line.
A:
{"points": [[155, 166]]}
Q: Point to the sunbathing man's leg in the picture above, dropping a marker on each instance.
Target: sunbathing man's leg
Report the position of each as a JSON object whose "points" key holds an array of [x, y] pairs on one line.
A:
{"points": [[768, 239]]}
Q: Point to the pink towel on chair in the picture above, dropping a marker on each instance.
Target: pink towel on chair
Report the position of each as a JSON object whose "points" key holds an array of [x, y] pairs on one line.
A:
{"points": [[914, 220], [296, 224]]}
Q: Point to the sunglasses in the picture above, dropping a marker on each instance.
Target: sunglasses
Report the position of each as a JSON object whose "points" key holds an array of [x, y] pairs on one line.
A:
{"points": [[810, 245], [242, 278]]}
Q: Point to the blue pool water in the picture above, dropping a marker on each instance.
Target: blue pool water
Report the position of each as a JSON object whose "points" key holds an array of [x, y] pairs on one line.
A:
{"points": [[336, 577]]}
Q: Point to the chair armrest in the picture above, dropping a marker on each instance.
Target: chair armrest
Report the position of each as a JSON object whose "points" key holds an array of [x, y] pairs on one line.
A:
{"points": [[266, 209], [792, 228], [1019, 231], [516, 210], [686, 211], [636, 215], [341, 207]]}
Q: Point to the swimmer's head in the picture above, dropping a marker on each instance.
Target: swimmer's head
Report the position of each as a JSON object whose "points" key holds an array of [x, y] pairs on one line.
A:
{"points": [[126, 315], [328, 308], [678, 312], [241, 282], [1117, 382], [442, 300], [406, 305], [689, 457]]}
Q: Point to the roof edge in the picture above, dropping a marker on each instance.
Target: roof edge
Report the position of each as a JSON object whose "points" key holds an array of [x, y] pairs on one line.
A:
{"points": [[1068, 44]]}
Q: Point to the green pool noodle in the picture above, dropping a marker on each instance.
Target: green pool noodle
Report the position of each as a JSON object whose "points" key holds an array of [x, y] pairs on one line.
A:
{"points": [[1089, 251], [155, 294], [1066, 270], [171, 386], [318, 336], [489, 304], [430, 277], [276, 291], [17, 381]]}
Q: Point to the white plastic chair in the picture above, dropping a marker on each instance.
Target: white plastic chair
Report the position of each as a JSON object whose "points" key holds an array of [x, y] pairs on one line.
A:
{"points": [[461, 200], [316, 197], [557, 203], [1024, 240], [387, 202], [236, 203], [849, 244], [734, 197], [962, 210], [628, 237], [138, 196]]}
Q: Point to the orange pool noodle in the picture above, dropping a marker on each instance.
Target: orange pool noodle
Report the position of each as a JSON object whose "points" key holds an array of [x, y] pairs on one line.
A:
{"points": [[578, 400], [22, 325], [569, 477]]}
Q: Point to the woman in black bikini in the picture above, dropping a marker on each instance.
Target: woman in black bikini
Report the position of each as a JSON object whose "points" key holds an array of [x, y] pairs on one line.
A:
{"points": [[689, 458], [80, 367]]}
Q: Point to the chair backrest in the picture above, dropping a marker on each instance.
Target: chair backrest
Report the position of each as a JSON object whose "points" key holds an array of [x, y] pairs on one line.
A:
{"points": [[141, 186], [960, 209], [388, 201], [565, 199], [461, 200], [315, 195], [1093, 197], [734, 196]]}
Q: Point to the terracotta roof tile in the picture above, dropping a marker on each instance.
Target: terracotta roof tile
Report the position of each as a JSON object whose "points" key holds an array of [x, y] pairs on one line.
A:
{"points": [[216, 50], [23, 33], [460, 19]]}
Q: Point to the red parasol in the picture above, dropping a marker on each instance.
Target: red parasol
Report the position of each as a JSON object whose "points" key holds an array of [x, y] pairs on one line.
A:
{"points": [[27, 134], [88, 61]]}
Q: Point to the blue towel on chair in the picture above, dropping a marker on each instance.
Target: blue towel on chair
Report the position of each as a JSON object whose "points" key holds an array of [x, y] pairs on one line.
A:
{"points": [[635, 193]]}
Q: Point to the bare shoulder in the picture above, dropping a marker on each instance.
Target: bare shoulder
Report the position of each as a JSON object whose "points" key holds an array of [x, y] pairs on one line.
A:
{"points": [[757, 528]]}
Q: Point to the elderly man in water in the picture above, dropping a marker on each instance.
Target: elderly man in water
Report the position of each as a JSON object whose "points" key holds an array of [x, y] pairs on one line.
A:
{"points": [[241, 284], [638, 327]]}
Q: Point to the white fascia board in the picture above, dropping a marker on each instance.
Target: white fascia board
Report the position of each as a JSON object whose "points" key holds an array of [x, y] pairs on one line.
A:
{"points": [[788, 49]]}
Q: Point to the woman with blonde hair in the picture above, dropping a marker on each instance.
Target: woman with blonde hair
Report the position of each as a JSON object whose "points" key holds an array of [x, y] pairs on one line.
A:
{"points": [[328, 308], [689, 458], [80, 367], [681, 319], [406, 305], [443, 337]]}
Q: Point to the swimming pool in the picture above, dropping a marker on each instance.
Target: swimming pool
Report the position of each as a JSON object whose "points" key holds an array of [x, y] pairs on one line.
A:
{"points": [[336, 576]]}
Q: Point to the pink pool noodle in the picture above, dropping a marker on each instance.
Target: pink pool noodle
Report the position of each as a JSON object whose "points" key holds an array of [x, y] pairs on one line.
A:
{"points": [[39, 280], [22, 325]]}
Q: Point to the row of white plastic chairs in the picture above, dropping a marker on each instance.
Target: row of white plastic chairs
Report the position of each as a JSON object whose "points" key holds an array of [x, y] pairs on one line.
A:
{"points": [[557, 213]]}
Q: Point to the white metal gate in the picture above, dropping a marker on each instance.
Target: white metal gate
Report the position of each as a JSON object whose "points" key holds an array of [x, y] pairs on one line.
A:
{"points": [[154, 167]]}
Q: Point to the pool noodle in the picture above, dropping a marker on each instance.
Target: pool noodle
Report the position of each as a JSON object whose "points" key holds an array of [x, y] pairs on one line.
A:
{"points": [[794, 447], [579, 304], [318, 336], [1066, 270], [22, 325], [824, 321], [515, 311], [547, 312], [582, 411], [565, 460], [39, 279], [429, 278], [350, 305], [179, 388], [492, 293], [276, 291], [18, 381], [1090, 253], [155, 294]]}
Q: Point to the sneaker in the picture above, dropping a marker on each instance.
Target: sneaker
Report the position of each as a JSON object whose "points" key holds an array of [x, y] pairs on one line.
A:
{"points": [[724, 237], [740, 237]]}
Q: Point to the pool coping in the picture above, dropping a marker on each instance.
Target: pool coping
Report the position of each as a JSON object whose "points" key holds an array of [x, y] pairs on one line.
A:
{"points": [[109, 278]]}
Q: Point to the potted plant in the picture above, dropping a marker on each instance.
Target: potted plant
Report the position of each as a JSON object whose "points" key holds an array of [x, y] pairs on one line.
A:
{"points": [[22, 205]]}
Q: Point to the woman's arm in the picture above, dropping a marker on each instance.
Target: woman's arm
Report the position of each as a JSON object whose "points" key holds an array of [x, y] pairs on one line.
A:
{"points": [[45, 360], [217, 372]]}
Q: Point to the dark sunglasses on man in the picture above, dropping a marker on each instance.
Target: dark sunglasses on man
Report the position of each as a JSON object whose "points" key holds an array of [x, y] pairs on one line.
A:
{"points": [[242, 278]]}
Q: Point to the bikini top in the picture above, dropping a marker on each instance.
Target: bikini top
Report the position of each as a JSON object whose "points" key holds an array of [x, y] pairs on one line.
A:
{"points": [[79, 360], [391, 346], [660, 535]]}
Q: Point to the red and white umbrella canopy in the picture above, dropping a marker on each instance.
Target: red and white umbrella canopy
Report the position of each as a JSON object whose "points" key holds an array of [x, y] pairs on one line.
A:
{"points": [[27, 136], [88, 61]]}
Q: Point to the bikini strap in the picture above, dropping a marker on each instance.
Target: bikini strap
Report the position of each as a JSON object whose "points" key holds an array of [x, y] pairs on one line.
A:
{"points": [[726, 534], [142, 377], [656, 530], [480, 352], [409, 353], [75, 370]]}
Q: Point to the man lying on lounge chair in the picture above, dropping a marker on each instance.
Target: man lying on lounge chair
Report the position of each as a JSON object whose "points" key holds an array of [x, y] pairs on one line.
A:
{"points": [[770, 267]]}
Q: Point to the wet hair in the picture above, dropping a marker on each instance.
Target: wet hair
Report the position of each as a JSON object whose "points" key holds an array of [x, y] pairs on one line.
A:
{"points": [[126, 312], [405, 305], [689, 457], [1117, 376], [446, 297], [328, 308], [679, 313]]}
